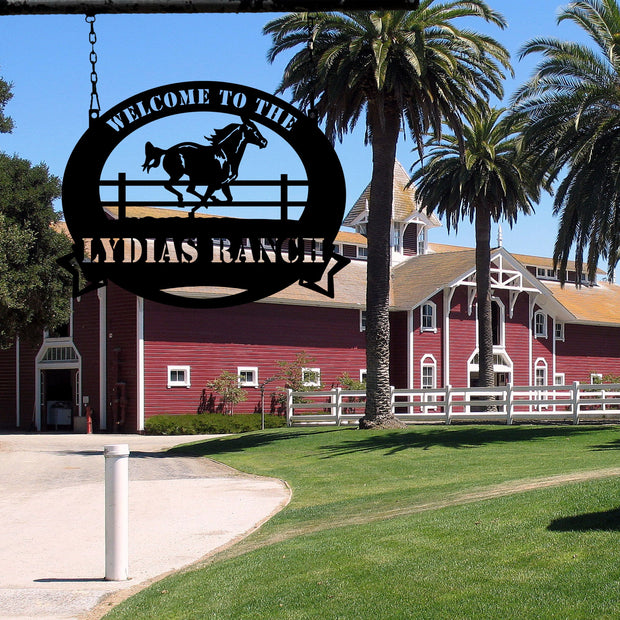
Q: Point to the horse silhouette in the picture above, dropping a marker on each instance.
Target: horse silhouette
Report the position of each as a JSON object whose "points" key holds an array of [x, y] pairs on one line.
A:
{"points": [[214, 165]]}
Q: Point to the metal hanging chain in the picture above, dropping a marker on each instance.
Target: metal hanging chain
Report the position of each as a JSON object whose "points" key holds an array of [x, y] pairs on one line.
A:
{"points": [[95, 108]]}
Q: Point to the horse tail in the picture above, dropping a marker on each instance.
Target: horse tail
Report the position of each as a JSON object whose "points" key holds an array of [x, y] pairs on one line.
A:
{"points": [[153, 156]]}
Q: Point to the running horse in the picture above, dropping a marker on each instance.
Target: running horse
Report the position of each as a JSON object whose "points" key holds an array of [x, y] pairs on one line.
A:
{"points": [[214, 165]]}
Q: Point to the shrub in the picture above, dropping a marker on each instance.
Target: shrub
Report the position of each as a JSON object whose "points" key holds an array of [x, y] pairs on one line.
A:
{"points": [[209, 424]]}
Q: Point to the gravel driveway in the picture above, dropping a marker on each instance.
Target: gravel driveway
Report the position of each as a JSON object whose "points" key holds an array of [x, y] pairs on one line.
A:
{"points": [[52, 555]]}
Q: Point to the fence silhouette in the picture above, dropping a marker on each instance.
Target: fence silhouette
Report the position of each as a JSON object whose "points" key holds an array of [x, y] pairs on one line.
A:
{"points": [[284, 203]]}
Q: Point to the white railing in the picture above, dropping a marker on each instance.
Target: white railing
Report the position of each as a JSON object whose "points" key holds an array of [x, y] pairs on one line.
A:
{"points": [[545, 403]]}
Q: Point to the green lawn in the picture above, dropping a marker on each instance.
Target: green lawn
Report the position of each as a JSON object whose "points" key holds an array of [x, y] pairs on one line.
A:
{"points": [[431, 522]]}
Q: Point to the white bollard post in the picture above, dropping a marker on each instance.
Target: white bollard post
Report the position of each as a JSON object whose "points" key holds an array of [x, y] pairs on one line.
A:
{"points": [[116, 512]]}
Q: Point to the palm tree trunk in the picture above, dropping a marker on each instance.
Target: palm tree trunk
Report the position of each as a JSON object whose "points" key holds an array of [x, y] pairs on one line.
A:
{"points": [[486, 376], [385, 128]]}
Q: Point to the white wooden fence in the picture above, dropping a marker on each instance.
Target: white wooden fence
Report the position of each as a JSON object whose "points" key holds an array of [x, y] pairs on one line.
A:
{"points": [[549, 403]]}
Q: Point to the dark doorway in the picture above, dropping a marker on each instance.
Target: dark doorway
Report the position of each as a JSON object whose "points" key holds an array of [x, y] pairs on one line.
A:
{"points": [[58, 390]]}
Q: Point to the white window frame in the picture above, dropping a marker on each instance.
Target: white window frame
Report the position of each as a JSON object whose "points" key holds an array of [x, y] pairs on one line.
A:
{"points": [[433, 306], [186, 382], [428, 361], [502, 322], [363, 374], [540, 364], [313, 383], [596, 375], [559, 378], [362, 320], [362, 252], [559, 331], [543, 333], [247, 369]]}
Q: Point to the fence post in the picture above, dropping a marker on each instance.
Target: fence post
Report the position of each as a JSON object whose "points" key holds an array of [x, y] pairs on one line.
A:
{"points": [[284, 197], [448, 403], [338, 403], [509, 403], [392, 403], [575, 402], [289, 407], [122, 195]]}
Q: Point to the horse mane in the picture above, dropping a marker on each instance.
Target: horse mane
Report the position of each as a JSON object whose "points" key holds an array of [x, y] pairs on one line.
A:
{"points": [[220, 134]]}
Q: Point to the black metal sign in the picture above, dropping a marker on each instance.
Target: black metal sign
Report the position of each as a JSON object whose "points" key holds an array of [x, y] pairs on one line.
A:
{"points": [[185, 259], [22, 7]]}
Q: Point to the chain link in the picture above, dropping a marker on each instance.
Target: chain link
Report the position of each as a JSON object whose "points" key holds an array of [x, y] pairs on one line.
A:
{"points": [[95, 108]]}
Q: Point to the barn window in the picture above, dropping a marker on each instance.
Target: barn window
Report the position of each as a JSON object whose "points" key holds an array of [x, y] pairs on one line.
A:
{"points": [[363, 374], [429, 317], [428, 372], [559, 378], [497, 322], [248, 376], [540, 372], [362, 320], [311, 377], [540, 325], [559, 331], [178, 376]]}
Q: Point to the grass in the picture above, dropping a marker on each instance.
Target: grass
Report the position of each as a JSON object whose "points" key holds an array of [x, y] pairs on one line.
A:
{"points": [[432, 522]]}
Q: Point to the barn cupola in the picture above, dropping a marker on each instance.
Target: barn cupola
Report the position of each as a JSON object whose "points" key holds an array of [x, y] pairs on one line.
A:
{"points": [[410, 223]]}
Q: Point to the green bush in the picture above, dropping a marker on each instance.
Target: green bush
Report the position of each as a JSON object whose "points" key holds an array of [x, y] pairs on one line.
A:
{"points": [[209, 423]]}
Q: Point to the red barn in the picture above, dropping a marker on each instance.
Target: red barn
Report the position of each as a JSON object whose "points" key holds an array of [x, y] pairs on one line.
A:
{"points": [[129, 359]]}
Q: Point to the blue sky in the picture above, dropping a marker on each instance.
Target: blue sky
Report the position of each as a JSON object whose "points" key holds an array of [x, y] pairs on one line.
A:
{"points": [[47, 59]]}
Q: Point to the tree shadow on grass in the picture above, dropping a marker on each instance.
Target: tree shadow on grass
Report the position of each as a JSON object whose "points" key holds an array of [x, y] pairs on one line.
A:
{"points": [[449, 437], [239, 443], [607, 521], [612, 445]]}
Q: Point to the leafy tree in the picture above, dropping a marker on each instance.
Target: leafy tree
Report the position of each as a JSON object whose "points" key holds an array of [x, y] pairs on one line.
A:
{"points": [[6, 124], [412, 68], [231, 393], [292, 373], [573, 104], [34, 290], [490, 179]]}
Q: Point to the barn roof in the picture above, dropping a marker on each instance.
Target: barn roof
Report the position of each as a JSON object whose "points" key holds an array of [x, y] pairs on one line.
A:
{"points": [[404, 203], [421, 277], [598, 304]]}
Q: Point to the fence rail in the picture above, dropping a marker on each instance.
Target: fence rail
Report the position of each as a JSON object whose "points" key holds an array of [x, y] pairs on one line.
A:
{"points": [[283, 202], [549, 403]]}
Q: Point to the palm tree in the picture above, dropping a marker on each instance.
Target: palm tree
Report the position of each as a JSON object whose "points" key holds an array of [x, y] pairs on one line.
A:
{"points": [[573, 104], [488, 181], [411, 68]]}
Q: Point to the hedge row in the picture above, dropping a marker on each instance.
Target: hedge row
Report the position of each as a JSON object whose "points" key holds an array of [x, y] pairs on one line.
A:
{"points": [[209, 423]]}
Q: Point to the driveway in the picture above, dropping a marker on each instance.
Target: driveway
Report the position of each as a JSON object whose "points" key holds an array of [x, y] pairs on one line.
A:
{"points": [[52, 555]]}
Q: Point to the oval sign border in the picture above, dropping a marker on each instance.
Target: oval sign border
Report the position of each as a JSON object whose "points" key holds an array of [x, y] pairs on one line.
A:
{"points": [[321, 218]]}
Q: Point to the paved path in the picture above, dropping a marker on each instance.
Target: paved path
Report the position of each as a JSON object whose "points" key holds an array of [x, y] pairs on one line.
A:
{"points": [[52, 555]]}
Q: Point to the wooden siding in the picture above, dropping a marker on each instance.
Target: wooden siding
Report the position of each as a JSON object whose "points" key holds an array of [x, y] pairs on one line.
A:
{"points": [[463, 337], [7, 388], [27, 369], [254, 335], [398, 349], [588, 349], [518, 336], [86, 340], [428, 342], [122, 358]]}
